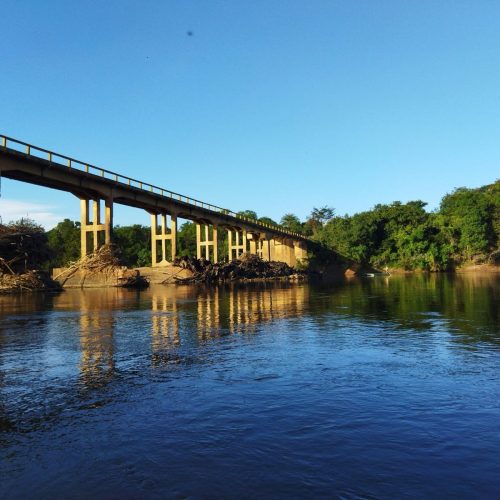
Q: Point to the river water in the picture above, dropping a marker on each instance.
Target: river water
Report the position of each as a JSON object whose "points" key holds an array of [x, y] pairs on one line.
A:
{"points": [[382, 387]]}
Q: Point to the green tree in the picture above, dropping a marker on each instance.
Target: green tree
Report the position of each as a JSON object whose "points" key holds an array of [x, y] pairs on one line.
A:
{"points": [[322, 215], [268, 220], [248, 214], [186, 240], [64, 241], [134, 244], [468, 212], [291, 222]]}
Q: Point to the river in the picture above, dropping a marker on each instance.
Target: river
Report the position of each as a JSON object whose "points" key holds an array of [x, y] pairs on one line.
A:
{"points": [[376, 387]]}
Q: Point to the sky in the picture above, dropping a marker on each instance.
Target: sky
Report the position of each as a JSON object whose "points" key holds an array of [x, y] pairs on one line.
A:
{"points": [[272, 106]]}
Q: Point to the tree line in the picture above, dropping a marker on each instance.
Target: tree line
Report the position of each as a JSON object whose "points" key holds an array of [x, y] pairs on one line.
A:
{"points": [[464, 229]]}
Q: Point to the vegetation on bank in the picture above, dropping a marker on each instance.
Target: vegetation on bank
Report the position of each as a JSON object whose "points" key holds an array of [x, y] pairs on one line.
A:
{"points": [[464, 230]]}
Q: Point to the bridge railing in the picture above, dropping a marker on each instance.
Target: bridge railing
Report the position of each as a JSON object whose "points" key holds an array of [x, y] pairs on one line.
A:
{"points": [[72, 163]]}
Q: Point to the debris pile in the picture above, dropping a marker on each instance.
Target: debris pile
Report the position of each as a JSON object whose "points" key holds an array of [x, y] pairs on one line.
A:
{"points": [[27, 281], [23, 246], [247, 267], [105, 261]]}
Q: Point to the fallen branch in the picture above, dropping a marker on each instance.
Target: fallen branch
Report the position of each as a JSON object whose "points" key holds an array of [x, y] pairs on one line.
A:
{"points": [[247, 267]]}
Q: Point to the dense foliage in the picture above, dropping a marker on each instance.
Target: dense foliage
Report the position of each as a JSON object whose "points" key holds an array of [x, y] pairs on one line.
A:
{"points": [[465, 229]]}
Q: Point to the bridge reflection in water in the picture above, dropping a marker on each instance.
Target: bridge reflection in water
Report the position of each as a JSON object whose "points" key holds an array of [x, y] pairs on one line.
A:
{"points": [[169, 316], [97, 365]]}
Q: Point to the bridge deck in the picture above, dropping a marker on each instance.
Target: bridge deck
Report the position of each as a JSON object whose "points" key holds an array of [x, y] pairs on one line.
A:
{"points": [[25, 162]]}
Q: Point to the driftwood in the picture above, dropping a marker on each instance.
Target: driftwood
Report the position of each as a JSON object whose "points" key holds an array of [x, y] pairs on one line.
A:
{"points": [[22, 246], [245, 268], [104, 260], [28, 281]]}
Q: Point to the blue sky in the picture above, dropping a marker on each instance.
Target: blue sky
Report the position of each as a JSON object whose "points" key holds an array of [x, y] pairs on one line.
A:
{"points": [[275, 106]]}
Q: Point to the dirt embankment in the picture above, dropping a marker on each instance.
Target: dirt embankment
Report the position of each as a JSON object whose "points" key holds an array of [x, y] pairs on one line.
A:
{"points": [[479, 268]]}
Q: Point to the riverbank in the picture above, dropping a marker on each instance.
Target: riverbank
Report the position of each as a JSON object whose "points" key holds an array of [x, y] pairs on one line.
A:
{"points": [[470, 268]]}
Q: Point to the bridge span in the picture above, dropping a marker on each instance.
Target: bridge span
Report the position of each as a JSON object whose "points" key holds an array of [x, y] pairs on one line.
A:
{"points": [[98, 189]]}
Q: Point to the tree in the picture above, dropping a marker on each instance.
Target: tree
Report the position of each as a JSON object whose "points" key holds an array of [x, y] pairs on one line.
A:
{"points": [[134, 244], [469, 212], [291, 222], [322, 215], [23, 245], [268, 220], [64, 241], [186, 240], [248, 214]]}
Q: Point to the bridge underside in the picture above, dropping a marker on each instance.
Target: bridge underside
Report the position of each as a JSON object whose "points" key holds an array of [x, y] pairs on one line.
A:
{"points": [[244, 235]]}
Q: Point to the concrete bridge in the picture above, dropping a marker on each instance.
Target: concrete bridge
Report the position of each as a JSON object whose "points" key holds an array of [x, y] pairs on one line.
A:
{"points": [[98, 189]]}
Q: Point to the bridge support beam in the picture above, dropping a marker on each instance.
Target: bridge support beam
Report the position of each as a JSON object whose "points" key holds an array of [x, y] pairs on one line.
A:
{"points": [[236, 243], [162, 238], [283, 250], [206, 242], [256, 243], [300, 250], [266, 249], [95, 232]]}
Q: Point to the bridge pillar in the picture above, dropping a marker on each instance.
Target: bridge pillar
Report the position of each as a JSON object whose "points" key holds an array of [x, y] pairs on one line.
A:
{"points": [[206, 243], [256, 243], [273, 252], [237, 243], [160, 239], [266, 249], [252, 239], [283, 250], [300, 250], [94, 232]]}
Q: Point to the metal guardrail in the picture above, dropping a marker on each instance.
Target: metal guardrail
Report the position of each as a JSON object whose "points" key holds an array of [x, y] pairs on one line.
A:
{"points": [[63, 160]]}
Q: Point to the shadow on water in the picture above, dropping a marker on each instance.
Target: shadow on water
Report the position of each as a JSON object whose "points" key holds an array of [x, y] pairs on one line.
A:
{"points": [[77, 350]]}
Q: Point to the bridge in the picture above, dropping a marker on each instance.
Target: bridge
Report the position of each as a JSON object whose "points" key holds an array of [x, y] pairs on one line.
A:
{"points": [[98, 189]]}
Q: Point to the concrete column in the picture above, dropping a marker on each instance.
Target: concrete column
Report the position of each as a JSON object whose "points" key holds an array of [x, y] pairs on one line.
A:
{"points": [[198, 241], [95, 226], [237, 243], [275, 250], [84, 221], [164, 236], [215, 246], [244, 241], [300, 250], [96, 218], [229, 245], [204, 244], [290, 253], [283, 250], [266, 249], [173, 237]]}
